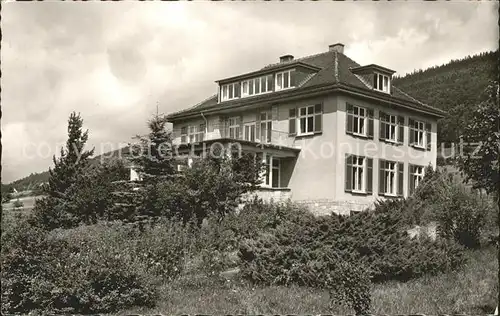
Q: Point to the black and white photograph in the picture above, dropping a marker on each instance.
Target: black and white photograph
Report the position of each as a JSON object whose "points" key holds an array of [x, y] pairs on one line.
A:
{"points": [[250, 158]]}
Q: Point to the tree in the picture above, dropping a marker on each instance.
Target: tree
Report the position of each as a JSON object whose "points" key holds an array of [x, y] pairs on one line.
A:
{"points": [[52, 211], [481, 164], [152, 155], [211, 187]]}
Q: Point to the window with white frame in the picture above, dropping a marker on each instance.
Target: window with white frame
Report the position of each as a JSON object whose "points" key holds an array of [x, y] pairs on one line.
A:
{"points": [[285, 80], [249, 131], [200, 134], [418, 134], [230, 91], [192, 134], [310, 119], [184, 135], [381, 82], [266, 124], [390, 173], [391, 128], [416, 176], [234, 127], [359, 120], [272, 172], [306, 120], [256, 86], [358, 178]]}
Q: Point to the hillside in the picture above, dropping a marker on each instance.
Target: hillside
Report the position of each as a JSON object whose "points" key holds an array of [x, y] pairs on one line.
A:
{"points": [[455, 87]]}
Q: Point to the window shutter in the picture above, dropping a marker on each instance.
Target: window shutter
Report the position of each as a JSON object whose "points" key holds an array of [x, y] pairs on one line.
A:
{"points": [[318, 117], [370, 123], [348, 173], [382, 119], [411, 184], [349, 119], [292, 122], [369, 175], [401, 167], [401, 129], [411, 125], [428, 135], [381, 178]]}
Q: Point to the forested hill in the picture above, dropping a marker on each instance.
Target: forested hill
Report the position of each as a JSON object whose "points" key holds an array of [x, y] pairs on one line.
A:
{"points": [[455, 87]]}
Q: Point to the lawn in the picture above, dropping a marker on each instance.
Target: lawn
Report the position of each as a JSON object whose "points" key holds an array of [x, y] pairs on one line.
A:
{"points": [[471, 290]]}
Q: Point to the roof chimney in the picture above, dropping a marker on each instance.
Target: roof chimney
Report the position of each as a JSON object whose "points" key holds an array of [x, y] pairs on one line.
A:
{"points": [[286, 58], [339, 48]]}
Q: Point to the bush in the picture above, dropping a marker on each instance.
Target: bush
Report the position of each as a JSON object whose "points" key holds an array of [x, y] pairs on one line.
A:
{"points": [[90, 269], [210, 188], [461, 216]]}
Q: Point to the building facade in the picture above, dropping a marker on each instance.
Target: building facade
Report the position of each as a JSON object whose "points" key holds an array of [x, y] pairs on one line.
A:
{"points": [[333, 135]]}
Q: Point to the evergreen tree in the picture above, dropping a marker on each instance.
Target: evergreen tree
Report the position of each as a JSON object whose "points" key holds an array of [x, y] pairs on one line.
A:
{"points": [[152, 155], [72, 161], [54, 210]]}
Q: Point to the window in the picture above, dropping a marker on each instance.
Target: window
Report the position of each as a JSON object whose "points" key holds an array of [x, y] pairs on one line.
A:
{"points": [[309, 119], [391, 128], [381, 82], [359, 121], [272, 174], [234, 127], [183, 135], [192, 134], [359, 174], [390, 178], [416, 176], [257, 86], [420, 134], [200, 135], [249, 131], [230, 91], [285, 80], [265, 127]]}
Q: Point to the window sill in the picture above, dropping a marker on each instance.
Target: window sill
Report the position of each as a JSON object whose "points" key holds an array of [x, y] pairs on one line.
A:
{"points": [[311, 134], [418, 147], [357, 192], [363, 136], [268, 188], [390, 195], [391, 142]]}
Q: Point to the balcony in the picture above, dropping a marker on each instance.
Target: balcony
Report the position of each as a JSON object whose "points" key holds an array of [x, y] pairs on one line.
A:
{"points": [[244, 133]]}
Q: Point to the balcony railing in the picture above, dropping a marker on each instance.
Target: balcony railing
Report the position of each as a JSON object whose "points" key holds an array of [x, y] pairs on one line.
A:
{"points": [[243, 132]]}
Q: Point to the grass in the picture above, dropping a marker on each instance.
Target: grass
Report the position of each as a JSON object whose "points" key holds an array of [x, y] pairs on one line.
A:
{"points": [[471, 290]]}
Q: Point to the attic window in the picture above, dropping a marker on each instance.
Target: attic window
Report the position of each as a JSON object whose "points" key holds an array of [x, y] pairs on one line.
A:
{"points": [[230, 91], [382, 83]]}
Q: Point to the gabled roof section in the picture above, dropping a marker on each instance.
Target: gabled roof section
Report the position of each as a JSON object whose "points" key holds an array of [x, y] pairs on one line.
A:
{"points": [[332, 70], [371, 68]]}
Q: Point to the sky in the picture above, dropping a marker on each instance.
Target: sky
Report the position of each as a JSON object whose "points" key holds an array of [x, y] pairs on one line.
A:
{"points": [[115, 62]]}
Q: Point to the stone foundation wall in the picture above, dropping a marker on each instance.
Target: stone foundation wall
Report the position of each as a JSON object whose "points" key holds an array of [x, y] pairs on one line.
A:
{"points": [[326, 206], [277, 195]]}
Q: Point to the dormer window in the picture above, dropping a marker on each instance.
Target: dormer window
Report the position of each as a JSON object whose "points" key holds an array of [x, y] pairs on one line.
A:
{"points": [[257, 86], [285, 79], [230, 91], [382, 83]]}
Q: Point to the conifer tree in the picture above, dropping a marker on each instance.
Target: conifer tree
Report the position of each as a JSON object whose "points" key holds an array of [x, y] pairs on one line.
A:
{"points": [[53, 210], [152, 155]]}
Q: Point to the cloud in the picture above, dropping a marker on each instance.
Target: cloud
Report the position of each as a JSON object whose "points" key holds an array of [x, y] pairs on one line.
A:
{"points": [[114, 62]]}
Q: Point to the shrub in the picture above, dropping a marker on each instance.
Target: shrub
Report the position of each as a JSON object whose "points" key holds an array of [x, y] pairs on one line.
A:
{"points": [[85, 270], [461, 216], [209, 188]]}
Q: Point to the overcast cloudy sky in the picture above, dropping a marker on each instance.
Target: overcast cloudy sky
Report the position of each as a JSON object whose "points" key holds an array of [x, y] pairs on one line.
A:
{"points": [[114, 61]]}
